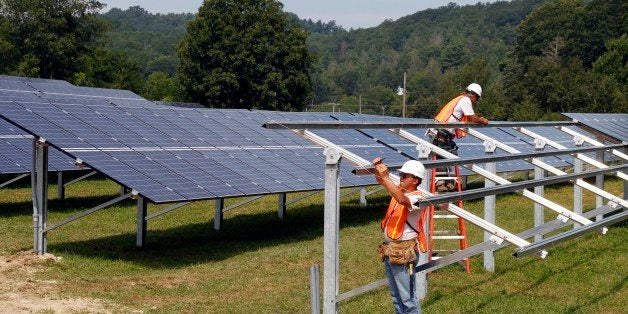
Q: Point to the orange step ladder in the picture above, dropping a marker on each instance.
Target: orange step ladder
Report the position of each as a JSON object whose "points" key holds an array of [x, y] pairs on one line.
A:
{"points": [[451, 182]]}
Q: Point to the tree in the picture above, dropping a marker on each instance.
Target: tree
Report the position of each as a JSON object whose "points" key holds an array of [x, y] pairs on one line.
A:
{"points": [[47, 38], [245, 54], [160, 87]]}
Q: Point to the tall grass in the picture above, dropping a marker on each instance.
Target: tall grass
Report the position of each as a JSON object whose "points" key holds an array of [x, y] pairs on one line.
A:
{"points": [[258, 263]]}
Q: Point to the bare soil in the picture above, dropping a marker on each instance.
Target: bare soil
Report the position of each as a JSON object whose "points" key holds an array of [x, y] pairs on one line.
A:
{"points": [[21, 292]]}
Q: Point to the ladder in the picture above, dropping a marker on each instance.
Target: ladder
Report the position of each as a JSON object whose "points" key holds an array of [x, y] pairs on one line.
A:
{"points": [[455, 230]]}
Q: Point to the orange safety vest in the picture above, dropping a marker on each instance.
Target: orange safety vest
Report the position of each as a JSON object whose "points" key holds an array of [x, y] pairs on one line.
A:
{"points": [[395, 219], [448, 111]]}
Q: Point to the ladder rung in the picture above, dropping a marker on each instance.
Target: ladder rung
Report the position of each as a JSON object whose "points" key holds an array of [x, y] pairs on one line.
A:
{"points": [[450, 232], [448, 237], [445, 250], [445, 178]]}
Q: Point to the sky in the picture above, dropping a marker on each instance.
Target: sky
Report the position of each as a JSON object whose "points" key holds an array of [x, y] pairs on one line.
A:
{"points": [[346, 13]]}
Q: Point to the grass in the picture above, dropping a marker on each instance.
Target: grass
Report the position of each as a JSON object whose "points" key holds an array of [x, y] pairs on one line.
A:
{"points": [[259, 263]]}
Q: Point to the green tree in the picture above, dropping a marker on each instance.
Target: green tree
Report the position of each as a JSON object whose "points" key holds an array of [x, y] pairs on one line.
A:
{"points": [[160, 86], [245, 54], [47, 38], [110, 69], [614, 62]]}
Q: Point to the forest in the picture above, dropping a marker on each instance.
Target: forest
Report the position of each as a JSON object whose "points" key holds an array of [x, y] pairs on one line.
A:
{"points": [[533, 58]]}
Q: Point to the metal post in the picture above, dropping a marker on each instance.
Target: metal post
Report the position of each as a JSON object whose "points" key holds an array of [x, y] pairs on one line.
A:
{"points": [[330, 233], [60, 186], [219, 205], [489, 206], [539, 213], [281, 206], [41, 197], [315, 297], [599, 182], [625, 181], [420, 278], [140, 220], [577, 191], [363, 193]]}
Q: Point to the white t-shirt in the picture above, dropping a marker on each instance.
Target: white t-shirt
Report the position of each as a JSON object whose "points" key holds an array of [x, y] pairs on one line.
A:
{"points": [[464, 107], [413, 219]]}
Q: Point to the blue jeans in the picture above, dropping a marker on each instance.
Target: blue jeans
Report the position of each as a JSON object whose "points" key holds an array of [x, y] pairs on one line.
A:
{"points": [[402, 288]]}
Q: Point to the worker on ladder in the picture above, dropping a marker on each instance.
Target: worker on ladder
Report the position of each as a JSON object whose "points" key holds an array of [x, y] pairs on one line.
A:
{"points": [[459, 109]]}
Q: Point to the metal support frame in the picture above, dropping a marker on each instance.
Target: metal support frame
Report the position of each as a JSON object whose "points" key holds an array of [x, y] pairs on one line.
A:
{"points": [[330, 285], [516, 186], [563, 212], [593, 142], [87, 212], [24, 175], [140, 220], [490, 245], [489, 207], [363, 194], [81, 178], [281, 205], [166, 210], [219, 205], [539, 209], [397, 125], [551, 241], [41, 195], [440, 163], [578, 167], [60, 186], [598, 189], [471, 251], [315, 297], [331, 228]]}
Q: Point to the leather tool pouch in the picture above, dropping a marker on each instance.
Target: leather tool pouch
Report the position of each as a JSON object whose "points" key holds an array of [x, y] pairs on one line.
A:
{"points": [[399, 252]]}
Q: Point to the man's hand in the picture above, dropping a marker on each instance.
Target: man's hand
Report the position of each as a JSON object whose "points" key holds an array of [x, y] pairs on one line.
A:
{"points": [[381, 170]]}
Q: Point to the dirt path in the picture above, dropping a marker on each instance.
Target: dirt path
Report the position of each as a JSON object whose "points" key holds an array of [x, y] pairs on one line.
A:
{"points": [[20, 292]]}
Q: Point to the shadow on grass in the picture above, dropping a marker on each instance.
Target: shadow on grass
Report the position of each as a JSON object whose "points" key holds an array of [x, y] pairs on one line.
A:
{"points": [[199, 242], [69, 204]]}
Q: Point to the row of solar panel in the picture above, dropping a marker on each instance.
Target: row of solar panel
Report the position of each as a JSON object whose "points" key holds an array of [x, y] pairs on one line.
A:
{"points": [[171, 154]]}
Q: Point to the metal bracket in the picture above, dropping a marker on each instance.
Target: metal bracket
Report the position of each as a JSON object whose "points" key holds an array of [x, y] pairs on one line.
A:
{"points": [[424, 150], [79, 163], [134, 194], [539, 143], [496, 239], [489, 146], [578, 140], [332, 155], [42, 141]]}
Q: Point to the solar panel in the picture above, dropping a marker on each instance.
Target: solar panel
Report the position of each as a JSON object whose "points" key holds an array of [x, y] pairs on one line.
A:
{"points": [[614, 125], [53, 88]]}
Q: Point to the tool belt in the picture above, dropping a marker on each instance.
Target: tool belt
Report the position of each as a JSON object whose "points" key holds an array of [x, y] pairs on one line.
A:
{"points": [[444, 139], [398, 252]]}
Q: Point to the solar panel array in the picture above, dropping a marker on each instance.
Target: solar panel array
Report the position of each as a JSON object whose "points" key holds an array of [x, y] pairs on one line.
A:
{"points": [[16, 145], [614, 125], [170, 154]]}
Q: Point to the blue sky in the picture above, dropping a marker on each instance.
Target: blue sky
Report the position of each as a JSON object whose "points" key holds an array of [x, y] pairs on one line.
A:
{"points": [[347, 13]]}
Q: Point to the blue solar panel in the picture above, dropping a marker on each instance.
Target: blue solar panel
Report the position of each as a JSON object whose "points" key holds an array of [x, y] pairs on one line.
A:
{"points": [[52, 88], [614, 125]]}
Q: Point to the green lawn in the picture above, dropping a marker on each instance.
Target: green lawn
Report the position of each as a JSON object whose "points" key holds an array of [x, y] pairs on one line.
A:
{"points": [[259, 263]]}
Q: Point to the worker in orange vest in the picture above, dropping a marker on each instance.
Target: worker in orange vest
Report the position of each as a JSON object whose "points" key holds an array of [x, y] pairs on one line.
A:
{"points": [[460, 109], [403, 232]]}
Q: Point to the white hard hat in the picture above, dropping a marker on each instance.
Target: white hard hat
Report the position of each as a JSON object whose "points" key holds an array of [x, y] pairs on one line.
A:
{"points": [[413, 167], [476, 88]]}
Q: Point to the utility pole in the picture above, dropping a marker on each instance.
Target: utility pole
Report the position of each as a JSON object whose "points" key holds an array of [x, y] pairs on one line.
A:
{"points": [[404, 95], [360, 103]]}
